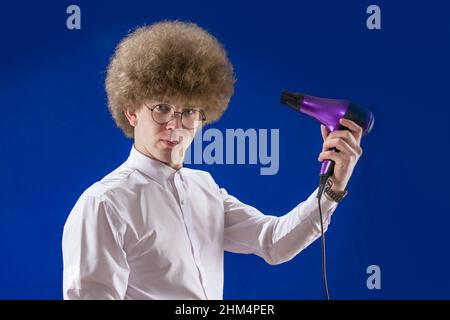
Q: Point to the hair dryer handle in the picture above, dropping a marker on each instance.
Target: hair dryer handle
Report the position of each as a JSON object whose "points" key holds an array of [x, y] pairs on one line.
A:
{"points": [[327, 167]]}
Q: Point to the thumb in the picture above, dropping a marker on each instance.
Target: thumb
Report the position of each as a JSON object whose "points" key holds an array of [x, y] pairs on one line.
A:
{"points": [[324, 132]]}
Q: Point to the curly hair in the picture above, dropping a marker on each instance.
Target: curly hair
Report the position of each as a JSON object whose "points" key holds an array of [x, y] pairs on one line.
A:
{"points": [[168, 59]]}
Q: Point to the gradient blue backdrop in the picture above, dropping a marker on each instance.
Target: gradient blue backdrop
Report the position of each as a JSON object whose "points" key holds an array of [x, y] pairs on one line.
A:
{"points": [[58, 137]]}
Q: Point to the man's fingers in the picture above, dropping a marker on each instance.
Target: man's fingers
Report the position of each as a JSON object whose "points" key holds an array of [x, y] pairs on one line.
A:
{"points": [[330, 155], [354, 128], [346, 135], [339, 144]]}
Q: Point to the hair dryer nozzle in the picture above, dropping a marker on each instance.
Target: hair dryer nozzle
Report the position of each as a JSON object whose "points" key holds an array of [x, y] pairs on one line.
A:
{"points": [[293, 100]]}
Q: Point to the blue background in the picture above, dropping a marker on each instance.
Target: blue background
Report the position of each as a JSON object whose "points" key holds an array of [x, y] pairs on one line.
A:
{"points": [[58, 137]]}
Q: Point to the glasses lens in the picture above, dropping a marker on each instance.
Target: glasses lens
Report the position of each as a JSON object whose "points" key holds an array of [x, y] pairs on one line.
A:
{"points": [[162, 113], [191, 118]]}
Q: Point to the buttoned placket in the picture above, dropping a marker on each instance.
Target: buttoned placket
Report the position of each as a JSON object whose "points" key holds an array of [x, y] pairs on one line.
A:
{"points": [[186, 212]]}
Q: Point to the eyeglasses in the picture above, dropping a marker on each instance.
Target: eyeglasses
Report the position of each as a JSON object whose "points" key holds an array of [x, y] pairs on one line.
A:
{"points": [[190, 118]]}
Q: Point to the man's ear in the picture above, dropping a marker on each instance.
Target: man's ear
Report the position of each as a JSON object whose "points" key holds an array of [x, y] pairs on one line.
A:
{"points": [[131, 116]]}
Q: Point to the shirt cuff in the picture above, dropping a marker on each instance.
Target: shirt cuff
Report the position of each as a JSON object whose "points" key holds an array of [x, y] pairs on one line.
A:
{"points": [[327, 205]]}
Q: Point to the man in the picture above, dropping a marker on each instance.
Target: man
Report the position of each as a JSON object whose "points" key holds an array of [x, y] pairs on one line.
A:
{"points": [[152, 229]]}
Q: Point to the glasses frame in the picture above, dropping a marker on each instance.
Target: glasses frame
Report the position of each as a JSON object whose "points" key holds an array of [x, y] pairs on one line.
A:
{"points": [[202, 114]]}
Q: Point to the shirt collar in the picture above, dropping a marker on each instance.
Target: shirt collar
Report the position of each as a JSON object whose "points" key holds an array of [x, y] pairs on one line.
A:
{"points": [[156, 170]]}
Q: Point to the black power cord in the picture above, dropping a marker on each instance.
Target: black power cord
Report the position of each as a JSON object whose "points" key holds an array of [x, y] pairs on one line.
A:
{"points": [[323, 181]]}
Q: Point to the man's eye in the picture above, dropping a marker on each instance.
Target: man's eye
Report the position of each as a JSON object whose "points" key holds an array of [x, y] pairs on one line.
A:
{"points": [[162, 108], [190, 112]]}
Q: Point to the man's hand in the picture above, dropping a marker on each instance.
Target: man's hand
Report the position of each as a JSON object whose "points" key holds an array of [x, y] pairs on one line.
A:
{"points": [[348, 143]]}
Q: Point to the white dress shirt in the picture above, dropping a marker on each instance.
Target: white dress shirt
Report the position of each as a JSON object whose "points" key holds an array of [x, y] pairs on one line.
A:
{"points": [[148, 231]]}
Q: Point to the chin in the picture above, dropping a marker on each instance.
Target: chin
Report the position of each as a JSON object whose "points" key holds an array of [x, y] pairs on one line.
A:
{"points": [[164, 155]]}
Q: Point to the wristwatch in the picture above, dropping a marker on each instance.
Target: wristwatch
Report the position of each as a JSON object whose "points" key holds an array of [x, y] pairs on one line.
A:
{"points": [[334, 195]]}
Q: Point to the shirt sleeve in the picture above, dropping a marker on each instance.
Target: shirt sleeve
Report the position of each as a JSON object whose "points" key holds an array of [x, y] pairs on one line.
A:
{"points": [[275, 239], [95, 264]]}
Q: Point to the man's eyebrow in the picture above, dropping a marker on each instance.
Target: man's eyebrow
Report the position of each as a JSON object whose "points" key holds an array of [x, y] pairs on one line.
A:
{"points": [[188, 107]]}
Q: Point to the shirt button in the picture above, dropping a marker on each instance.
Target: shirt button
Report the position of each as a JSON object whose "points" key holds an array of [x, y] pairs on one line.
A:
{"points": [[182, 201]]}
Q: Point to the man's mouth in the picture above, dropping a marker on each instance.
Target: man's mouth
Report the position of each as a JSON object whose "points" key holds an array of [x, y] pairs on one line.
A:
{"points": [[170, 143]]}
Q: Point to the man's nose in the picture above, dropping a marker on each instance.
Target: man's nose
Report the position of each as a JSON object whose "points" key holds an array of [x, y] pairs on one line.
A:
{"points": [[175, 122]]}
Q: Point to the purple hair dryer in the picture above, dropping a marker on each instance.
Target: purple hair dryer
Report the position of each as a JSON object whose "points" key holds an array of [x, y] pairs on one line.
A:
{"points": [[328, 112]]}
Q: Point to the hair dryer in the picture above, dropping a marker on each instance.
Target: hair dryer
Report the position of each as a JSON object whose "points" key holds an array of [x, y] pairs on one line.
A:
{"points": [[329, 112]]}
